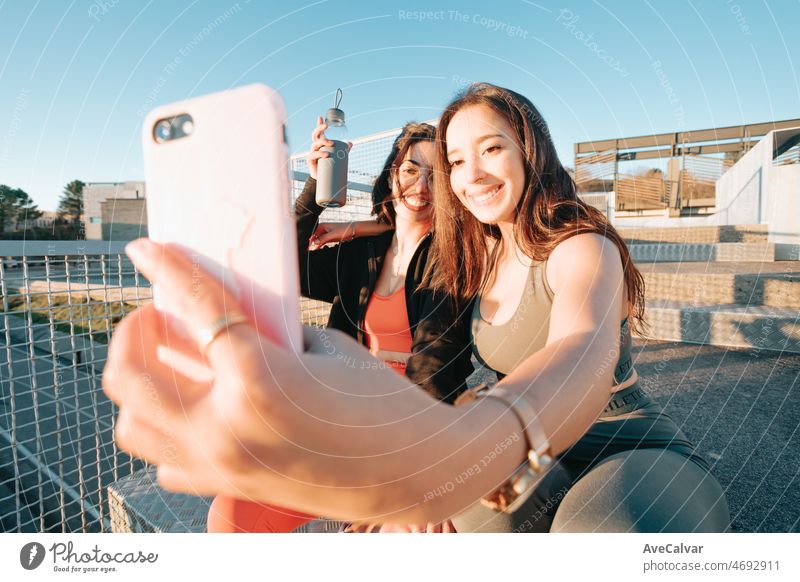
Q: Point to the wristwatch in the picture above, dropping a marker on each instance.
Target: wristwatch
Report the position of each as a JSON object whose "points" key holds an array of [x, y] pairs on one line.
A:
{"points": [[539, 458]]}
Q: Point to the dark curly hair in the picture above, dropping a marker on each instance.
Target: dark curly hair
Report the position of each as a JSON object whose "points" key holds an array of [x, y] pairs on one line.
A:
{"points": [[411, 134]]}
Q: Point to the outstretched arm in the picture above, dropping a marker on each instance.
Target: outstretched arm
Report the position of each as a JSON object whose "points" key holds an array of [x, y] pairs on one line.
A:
{"points": [[330, 431], [333, 432]]}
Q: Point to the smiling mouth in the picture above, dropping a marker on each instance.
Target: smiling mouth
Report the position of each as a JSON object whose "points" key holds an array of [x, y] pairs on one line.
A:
{"points": [[416, 203], [486, 197]]}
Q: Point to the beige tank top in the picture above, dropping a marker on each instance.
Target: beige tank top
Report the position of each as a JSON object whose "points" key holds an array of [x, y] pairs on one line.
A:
{"points": [[503, 347]]}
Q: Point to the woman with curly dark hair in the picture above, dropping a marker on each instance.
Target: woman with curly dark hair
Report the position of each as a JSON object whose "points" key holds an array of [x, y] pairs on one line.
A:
{"points": [[374, 277], [374, 282]]}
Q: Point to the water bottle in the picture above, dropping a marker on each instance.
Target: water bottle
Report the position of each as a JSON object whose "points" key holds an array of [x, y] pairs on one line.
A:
{"points": [[332, 171]]}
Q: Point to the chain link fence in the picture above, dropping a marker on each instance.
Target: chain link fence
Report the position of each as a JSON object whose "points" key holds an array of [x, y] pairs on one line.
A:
{"points": [[61, 302]]}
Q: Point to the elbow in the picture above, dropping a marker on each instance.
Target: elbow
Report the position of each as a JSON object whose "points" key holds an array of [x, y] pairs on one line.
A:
{"points": [[603, 362], [605, 356], [598, 352]]}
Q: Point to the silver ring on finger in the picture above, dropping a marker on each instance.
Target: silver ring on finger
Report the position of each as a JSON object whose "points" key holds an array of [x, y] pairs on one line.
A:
{"points": [[208, 333]]}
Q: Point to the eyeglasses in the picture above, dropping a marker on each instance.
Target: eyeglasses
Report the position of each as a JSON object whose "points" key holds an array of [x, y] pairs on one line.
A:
{"points": [[409, 174]]}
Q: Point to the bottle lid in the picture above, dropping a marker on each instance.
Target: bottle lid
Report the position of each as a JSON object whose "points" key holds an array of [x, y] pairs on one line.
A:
{"points": [[334, 114]]}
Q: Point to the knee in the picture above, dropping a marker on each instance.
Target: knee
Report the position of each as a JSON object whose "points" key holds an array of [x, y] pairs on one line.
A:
{"points": [[646, 491]]}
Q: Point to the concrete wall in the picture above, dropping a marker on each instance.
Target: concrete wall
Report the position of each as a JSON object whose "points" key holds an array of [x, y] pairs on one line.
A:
{"points": [[740, 191], [95, 193], [652, 219], [123, 219], [755, 191], [783, 211]]}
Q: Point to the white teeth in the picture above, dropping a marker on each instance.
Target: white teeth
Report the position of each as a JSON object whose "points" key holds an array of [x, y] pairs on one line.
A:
{"points": [[485, 197], [416, 203]]}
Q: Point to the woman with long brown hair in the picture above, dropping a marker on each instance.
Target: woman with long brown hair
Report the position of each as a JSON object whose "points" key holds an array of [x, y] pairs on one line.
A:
{"points": [[531, 248], [567, 440]]}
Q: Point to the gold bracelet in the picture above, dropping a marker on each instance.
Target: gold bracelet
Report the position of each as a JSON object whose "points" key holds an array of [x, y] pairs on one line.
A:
{"points": [[528, 474]]}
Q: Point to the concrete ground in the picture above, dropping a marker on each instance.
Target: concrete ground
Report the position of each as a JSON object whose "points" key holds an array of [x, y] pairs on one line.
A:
{"points": [[742, 409]]}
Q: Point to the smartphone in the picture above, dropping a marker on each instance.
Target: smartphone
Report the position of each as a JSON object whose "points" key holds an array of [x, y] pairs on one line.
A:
{"points": [[217, 174]]}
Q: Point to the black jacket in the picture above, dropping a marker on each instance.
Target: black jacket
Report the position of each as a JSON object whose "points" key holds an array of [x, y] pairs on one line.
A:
{"points": [[345, 275]]}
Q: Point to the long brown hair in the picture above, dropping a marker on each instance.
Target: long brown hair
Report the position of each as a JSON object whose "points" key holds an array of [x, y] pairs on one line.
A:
{"points": [[412, 133], [548, 212]]}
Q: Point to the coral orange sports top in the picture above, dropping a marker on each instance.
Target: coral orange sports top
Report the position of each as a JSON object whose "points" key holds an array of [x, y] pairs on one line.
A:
{"points": [[387, 329]]}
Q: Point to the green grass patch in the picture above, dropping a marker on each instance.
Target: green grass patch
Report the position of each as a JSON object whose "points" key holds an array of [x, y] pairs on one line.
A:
{"points": [[88, 316]]}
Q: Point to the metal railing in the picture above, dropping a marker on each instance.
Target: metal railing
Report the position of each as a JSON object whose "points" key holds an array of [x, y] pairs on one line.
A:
{"points": [[61, 303]]}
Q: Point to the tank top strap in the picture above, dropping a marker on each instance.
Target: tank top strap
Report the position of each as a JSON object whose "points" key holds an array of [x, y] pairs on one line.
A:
{"points": [[538, 278]]}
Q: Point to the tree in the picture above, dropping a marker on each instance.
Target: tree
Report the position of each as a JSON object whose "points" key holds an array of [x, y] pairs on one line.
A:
{"points": [[650, 172], [16, 207], [70, 206]]}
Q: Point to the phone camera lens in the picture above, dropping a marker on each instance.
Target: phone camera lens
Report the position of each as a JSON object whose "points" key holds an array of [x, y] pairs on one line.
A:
{"points": [[163, 130]]}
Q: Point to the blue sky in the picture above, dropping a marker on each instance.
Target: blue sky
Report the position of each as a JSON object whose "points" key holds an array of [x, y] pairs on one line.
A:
{"points": [[77, 76]]}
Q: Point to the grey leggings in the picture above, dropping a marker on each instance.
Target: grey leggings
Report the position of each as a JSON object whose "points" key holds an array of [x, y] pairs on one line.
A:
{"points": [[633, 471]]}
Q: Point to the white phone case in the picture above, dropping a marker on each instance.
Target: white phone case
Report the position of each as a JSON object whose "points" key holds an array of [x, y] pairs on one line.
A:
{"points": [[222, 194]]}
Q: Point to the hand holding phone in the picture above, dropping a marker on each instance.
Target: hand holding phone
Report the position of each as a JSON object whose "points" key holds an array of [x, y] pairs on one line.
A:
{"points": [[218, 187]]}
